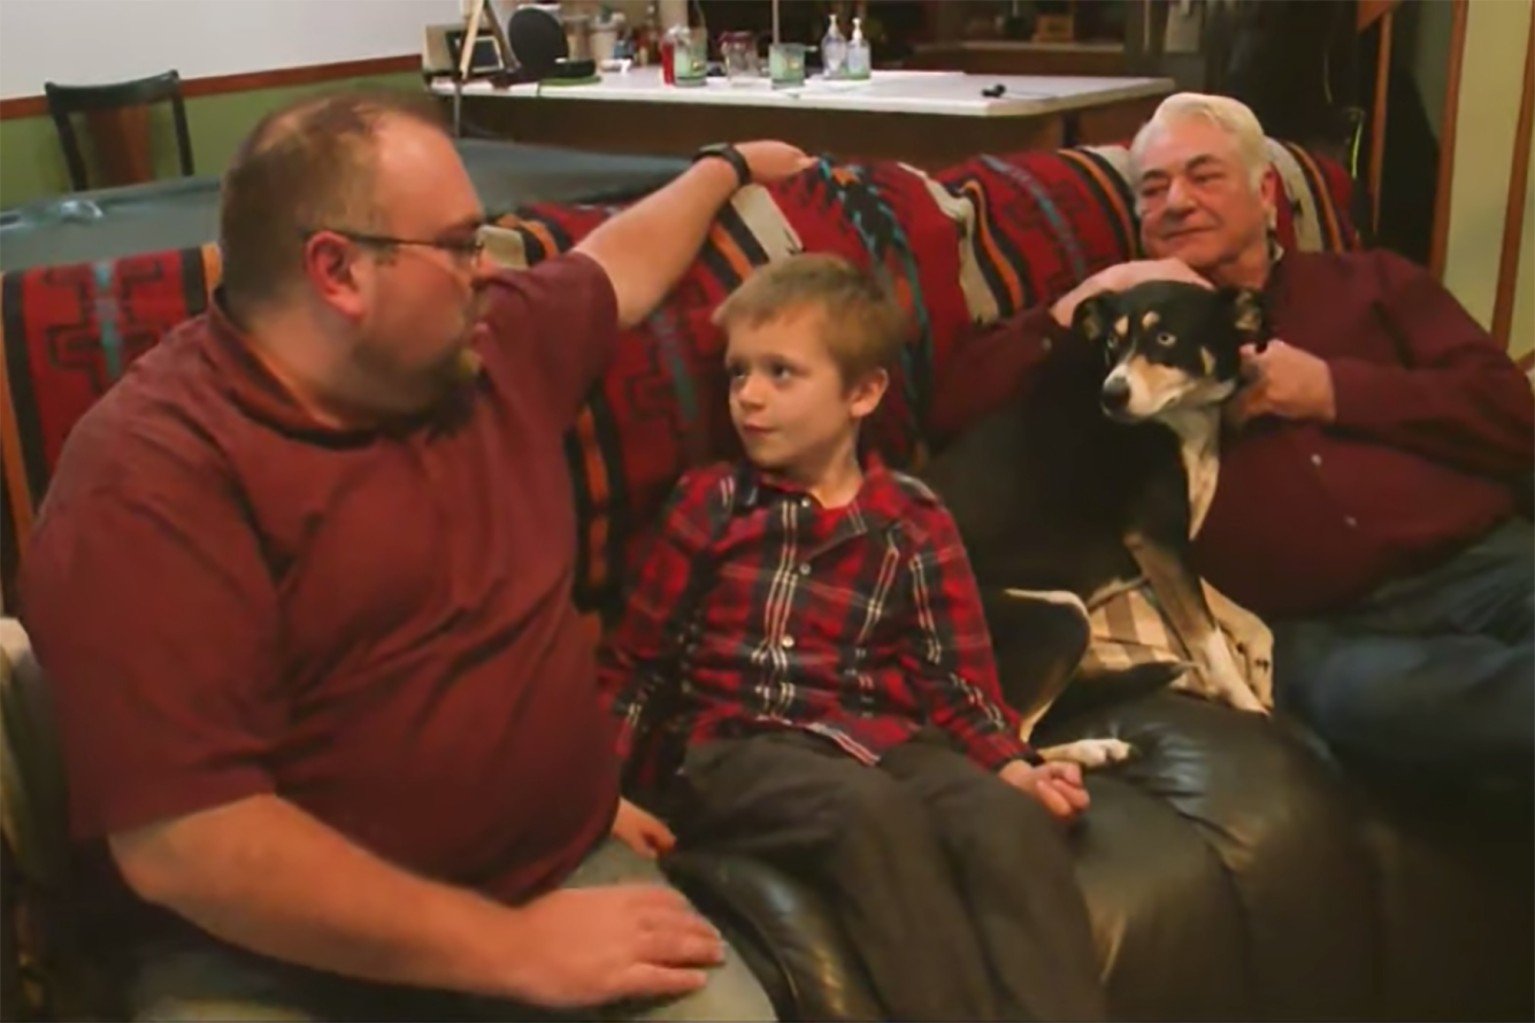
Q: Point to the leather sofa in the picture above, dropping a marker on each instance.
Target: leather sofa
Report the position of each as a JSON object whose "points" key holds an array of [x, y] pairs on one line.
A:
{"points": [[1231, 869], [1231, 872]]}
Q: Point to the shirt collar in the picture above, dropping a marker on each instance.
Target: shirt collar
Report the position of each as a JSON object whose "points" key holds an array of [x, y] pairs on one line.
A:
{"points": [[879, 496], [1279, 266], [1276, 250]]}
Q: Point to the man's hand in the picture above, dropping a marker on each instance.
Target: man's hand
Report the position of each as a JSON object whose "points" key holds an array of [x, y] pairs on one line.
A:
{"points": [[580, 947], [642, 832], [1283, 381], [1120, 278], [1057, 785], [772, 161]]}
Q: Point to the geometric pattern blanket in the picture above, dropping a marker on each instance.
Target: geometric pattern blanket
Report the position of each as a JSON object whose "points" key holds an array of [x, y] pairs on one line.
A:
{"points": [[961, 248]]}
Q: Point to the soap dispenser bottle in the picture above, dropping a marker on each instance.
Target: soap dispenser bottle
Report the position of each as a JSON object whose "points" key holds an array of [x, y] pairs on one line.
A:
{"points": [[859, 59], [833, 51]]}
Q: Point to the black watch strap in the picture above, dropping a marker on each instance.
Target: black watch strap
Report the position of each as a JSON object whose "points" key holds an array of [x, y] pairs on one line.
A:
{"points": [[731, 155]]}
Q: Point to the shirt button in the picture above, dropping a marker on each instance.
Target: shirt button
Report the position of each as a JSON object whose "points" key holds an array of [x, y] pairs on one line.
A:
{"points": [[1316, 459], [804, 568], [1350, 522], [804, 502], [787, 642]]}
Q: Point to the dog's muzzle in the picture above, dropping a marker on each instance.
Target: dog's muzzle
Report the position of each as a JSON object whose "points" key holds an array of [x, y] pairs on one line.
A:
{"points": [[1115, 394]]}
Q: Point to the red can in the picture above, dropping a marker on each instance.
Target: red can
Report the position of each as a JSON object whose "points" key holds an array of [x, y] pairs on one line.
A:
{"points": [[668, 59]]}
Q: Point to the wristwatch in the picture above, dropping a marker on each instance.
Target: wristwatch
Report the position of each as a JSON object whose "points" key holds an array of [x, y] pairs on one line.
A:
{"points": [[731, 155]]}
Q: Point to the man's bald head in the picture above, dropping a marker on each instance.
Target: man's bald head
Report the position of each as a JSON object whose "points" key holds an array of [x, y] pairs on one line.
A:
{"points": [[308, 165]]}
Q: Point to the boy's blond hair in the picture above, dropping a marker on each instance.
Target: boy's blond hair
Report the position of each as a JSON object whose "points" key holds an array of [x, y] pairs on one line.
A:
{"points": [[862, 325]]}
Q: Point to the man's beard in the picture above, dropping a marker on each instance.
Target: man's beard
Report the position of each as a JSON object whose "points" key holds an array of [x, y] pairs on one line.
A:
{"points": [[414, 390]]}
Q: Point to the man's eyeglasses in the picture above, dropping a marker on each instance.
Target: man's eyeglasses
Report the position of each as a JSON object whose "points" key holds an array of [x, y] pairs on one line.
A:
{"points": [[467, 249]]}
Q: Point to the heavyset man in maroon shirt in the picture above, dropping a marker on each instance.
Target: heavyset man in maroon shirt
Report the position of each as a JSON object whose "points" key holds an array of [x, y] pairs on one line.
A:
{"points": [[1369, 487], [302, 587]]}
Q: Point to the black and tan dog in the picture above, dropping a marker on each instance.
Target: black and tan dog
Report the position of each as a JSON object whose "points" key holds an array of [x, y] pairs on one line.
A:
{"points": [[1093, 483]]}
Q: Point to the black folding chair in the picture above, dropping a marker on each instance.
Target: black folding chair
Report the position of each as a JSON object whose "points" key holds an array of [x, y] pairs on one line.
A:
{"points": [[64, 101]]}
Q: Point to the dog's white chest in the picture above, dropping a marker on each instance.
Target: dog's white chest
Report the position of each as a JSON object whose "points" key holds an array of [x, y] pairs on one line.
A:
{"points": [[1200, 437]]}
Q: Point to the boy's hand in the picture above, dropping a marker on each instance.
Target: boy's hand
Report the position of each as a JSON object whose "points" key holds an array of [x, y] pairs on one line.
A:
{"points": [[642, 832], [1058, 786]]}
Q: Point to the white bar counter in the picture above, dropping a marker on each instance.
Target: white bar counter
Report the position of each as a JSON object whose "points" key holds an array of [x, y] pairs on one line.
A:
{"points": [[929, 118], [949, 93]]}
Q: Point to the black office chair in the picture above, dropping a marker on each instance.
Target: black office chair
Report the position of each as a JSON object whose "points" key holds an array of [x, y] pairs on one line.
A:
{"points": [[128, 161]]}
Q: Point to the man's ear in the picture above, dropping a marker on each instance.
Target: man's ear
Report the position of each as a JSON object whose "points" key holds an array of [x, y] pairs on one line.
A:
{"points": [[1094, 316], [333, 274], [865, 393], [1268, 194]]}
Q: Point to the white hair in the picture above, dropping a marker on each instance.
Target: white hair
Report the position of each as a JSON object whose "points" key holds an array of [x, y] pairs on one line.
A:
{"points": [[1233, 117]]}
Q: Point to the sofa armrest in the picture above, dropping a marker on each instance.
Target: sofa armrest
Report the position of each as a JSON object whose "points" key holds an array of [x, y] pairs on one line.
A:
{"points": [[784, 931], [1227, 839], [31, 774]]}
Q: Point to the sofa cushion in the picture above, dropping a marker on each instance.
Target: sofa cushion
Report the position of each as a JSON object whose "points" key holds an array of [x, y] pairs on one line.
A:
{"points": [[972, 243], [1227, 838], [1223, 869]]}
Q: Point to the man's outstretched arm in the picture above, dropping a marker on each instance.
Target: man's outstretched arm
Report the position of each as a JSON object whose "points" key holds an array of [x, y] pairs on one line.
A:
{"points": [[646, 248], [262, 874]]}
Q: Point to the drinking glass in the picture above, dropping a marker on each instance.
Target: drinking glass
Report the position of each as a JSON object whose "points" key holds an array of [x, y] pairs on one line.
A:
{"points": [[786, 65]]}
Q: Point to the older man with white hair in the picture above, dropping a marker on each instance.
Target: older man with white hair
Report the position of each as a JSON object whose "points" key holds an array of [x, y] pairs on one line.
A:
{"points": [[1372, 479]]}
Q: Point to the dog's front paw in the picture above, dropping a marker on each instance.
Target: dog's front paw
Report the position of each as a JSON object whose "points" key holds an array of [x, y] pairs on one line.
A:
{"points": [[1236, 693], [1090, 753], [1224, 683]]}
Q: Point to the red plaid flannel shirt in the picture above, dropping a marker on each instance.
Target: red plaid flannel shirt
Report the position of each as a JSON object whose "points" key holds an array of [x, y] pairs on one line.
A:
{"points": [[757, 609]]}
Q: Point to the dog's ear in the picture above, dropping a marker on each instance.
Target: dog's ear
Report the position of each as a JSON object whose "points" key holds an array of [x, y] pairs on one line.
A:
{"points": [[1095, 315], [1241, 318], [1248, 316]]}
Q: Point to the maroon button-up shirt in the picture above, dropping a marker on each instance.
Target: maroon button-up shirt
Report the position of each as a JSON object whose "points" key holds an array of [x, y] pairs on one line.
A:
{"points": [[757, 609], [1435, 431]]}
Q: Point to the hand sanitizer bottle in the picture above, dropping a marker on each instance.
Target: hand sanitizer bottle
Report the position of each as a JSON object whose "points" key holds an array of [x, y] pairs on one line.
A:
{"points": [[859, 59], [833, 51]]}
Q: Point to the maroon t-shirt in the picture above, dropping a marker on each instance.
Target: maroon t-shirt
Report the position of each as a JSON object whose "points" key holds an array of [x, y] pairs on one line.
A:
{"points": [[230, 599]]}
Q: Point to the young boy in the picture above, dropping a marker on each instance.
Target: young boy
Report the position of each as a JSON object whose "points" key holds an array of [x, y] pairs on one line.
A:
{"points": [[808, 626]]}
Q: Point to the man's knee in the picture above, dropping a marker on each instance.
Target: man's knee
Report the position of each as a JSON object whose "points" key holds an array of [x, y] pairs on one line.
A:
{"points": [[732, 993], [213, 983], [208, 980], [171, 1008]]}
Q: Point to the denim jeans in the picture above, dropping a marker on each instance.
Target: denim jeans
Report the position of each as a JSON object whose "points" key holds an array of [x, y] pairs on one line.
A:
{"points": [[1430, 678], [206, 980]]}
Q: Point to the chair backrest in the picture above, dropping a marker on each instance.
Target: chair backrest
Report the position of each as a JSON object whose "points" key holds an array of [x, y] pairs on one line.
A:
{"points": [[118, 115]]}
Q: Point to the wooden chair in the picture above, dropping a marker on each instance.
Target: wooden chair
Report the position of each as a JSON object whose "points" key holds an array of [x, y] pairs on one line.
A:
{"points": [[118, 116]]}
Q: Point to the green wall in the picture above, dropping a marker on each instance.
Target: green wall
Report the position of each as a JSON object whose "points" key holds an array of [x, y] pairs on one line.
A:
{"points": [[32, 164]]}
